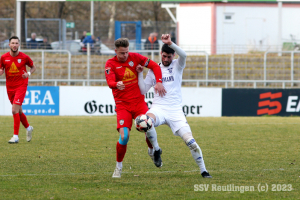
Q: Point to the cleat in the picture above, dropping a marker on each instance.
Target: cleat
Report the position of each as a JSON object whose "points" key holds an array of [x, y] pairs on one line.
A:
{"points": [[29, 134], [157, 159], [13, 141], [206, 175], [117, 173], [151, 154]]}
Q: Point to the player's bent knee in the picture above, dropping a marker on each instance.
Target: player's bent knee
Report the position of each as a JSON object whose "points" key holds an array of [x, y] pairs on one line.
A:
{"points": [[190, 141], [126, 137], [152, 119]]}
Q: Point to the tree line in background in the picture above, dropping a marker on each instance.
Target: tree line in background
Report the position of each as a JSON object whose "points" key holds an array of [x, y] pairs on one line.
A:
{"points": [[80, 11]]}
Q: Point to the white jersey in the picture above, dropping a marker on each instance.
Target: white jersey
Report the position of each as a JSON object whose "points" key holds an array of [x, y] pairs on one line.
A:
{"points": [[171, 80]]}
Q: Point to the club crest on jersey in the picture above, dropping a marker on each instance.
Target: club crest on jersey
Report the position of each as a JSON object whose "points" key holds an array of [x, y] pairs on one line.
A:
{"points": [[131, 64], [170, 70], [107, 70], [121, 122], [19, 60]]}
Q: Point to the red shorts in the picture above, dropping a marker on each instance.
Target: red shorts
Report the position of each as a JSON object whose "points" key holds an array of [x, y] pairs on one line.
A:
{"points": [[128, 111], [17, 95]]}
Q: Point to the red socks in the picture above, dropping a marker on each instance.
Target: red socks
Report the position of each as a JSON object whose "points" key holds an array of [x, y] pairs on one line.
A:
{"points": [[121, 150], [24, 121], [16, 123]]}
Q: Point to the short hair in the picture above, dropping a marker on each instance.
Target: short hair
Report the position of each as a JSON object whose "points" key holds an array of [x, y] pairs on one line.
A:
{"points": [[14, 37], [122, 42], [167, 49]]}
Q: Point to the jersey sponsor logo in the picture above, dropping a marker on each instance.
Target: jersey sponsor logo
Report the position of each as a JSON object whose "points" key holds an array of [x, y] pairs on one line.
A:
{"points": [[131, 64], [170, 70], [276, 105], [107, 70], [19, 60], [7, 60], [128, 75], [168, 79], [118, 67], [13, 68]]}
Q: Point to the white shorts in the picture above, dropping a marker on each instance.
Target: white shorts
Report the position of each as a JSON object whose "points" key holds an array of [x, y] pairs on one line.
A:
{"points": [[174, 118]]}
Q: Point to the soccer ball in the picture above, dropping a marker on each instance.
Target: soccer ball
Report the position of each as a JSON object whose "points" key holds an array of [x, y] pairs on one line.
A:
{"points": [[143, 123]]}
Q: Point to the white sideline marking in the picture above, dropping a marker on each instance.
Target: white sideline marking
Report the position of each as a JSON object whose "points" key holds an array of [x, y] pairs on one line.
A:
{"points": [[143, 172], [259, 123]]}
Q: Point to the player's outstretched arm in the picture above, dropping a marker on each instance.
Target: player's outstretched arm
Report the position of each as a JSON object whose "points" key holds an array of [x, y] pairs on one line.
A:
{"points": [[144, 88], [166, 38], [181, 53]]}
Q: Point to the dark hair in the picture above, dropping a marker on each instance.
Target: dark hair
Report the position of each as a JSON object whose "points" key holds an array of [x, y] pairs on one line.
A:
{"points": [[121, 42], [14, 37], [167, 49]]}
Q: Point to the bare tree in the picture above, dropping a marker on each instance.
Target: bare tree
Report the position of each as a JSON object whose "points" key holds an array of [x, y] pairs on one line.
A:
{"points": [[112, 8]]}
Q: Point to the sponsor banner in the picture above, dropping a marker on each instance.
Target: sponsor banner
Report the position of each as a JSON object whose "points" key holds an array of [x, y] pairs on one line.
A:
{"points": [[86, 100], [197, 102], [99, 101], [257, 102], [41, 100]]}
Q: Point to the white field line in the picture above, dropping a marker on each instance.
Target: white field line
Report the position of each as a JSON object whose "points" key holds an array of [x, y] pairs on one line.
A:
{"points": [[261, 123], [142, 172]]}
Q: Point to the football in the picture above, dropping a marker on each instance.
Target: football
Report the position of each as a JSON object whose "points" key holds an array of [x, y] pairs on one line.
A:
{"points": [[143, 123]]}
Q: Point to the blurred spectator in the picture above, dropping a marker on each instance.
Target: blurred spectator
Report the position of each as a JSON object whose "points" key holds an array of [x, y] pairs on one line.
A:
{"points": [[83, 36], [151, 42], [45, 44], [89, 39], [32, 43]]}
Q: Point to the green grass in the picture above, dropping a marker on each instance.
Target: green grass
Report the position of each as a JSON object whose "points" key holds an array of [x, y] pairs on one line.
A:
{"points": [[74, 157]]}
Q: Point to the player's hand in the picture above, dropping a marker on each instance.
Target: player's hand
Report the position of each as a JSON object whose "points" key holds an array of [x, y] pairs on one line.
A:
{"points": [[139, 68], [120, 85], [1, 71], [166, 38], [160, 89], [25, 75]]}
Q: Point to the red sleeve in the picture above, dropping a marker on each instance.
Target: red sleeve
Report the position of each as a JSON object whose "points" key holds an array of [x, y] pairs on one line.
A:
{"points": [[110, 76], [29, 62], [156, 70]]}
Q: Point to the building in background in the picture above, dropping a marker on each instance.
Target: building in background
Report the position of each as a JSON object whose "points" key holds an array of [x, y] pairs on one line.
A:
{"points": [[220, 28]]}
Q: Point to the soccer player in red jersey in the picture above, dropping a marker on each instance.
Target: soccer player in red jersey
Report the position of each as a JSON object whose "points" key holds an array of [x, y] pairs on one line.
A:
{"points": [[122, 78], [14, 64]]}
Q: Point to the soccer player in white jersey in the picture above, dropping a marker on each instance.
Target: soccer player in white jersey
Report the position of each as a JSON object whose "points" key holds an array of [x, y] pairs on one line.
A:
{"points": [[168, 109]]}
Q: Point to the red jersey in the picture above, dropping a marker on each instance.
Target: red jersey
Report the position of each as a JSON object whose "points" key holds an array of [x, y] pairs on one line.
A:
{"points": [[14, 68], [116, 71]]}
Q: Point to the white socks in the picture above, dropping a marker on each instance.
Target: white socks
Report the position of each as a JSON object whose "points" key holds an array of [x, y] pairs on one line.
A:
{"points": [[152, 137], [119, 165], [197, 155], [28, 128]]}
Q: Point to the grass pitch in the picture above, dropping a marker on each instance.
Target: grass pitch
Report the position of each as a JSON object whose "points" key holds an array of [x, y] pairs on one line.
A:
{"points": [[74, 158]]}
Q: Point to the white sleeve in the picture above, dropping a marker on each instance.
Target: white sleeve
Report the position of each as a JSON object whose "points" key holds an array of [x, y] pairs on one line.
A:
{"points": [[144, 88], [181, 53]]}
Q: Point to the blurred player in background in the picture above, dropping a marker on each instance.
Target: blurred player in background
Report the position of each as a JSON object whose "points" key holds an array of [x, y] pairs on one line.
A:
{"points": [[122, 78], [168, 109], [14, 64]]}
